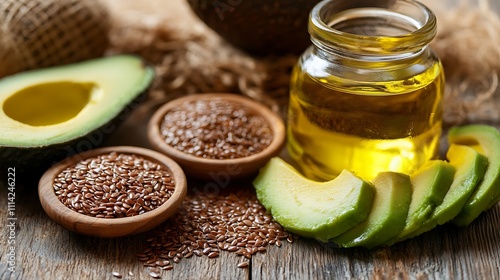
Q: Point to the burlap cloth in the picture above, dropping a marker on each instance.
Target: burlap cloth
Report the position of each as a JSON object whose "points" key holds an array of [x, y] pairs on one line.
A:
{"points": [[39, 33], [190, 58]]}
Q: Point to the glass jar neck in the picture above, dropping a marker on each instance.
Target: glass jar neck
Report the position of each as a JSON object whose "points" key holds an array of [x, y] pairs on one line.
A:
{"points": [[372, 29]]}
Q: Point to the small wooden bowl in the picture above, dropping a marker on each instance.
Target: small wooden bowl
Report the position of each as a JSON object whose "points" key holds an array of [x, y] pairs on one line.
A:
{"points": [[219, 169], [115, 227]]}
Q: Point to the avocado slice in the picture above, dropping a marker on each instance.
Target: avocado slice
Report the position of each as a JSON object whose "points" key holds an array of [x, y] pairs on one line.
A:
{"points": [[320, 210], [430, 183], [470, 167], [486, 141], [388, 213], [51, 113]]}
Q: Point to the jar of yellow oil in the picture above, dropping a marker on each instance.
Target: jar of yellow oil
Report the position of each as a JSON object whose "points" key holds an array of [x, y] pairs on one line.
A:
{"points": [[367, 95]]}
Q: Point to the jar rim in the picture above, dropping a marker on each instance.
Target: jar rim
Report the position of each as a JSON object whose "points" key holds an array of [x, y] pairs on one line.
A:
{"points": [[324, 34]]}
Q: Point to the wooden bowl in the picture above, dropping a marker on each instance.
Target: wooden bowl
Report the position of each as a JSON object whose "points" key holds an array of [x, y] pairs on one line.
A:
{"points": [[115, 227], [219, 169]]}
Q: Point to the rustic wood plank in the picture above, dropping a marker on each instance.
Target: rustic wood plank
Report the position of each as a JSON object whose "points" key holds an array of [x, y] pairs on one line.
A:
{"points": [[447, 252], [45, 250]]}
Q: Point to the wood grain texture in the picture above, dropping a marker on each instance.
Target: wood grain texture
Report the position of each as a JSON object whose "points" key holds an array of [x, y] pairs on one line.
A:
{"points": [[45, 250], [447, 252]]}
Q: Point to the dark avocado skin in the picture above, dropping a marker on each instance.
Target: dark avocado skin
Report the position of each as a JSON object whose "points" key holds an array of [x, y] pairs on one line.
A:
{"points": [[260, 27], [31, 162]]}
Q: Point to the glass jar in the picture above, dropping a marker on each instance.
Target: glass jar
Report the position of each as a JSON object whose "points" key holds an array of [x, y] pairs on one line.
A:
{"points": [[367, 95]]}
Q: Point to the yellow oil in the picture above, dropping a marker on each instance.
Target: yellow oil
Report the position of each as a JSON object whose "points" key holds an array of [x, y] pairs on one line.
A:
{"points": [[394, 125]]}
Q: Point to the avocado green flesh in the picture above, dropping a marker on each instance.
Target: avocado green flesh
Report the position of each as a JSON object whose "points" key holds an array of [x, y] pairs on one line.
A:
{"points": [[56, 105], [320, 210], [485, 140], [388, 213], [470, 167], [430, 183]]}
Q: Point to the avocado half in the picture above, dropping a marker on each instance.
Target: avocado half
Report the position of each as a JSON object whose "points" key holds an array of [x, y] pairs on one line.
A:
{"points": [[52, 113]]}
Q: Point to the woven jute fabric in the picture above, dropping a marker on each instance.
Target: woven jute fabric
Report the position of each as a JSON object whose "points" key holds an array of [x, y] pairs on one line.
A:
{"points": [[40, 33], [9, 56]]}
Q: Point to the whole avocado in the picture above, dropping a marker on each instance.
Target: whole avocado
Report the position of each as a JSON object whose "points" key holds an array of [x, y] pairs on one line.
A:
{"points": [[260, 27]]}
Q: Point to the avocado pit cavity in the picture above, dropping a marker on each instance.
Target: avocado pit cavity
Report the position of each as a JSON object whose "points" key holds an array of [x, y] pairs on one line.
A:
{"points": [[48, 103]]}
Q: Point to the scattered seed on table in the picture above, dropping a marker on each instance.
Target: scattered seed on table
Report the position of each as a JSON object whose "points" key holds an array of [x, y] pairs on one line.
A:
{"points": [[213, 255], [205, 225], [114, 185], [154, 275], [168, 267], [117, 274], [215, 129], [243, 264]]}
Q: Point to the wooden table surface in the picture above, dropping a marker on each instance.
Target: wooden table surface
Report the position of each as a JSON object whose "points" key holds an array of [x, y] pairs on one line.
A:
{"points": [[44, 250]]}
